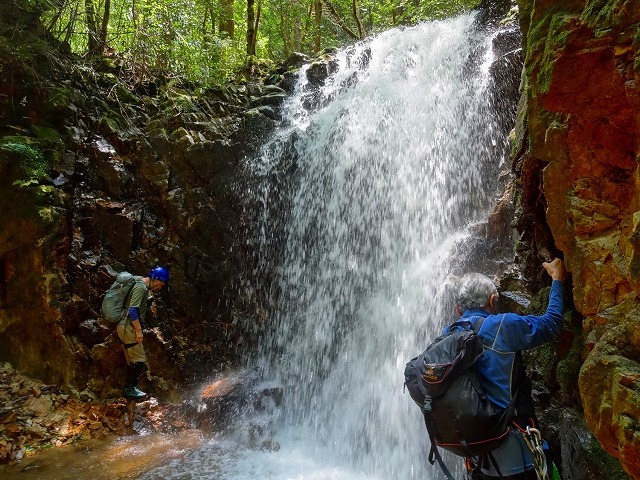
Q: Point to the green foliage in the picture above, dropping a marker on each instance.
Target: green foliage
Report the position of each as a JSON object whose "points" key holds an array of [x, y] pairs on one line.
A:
{"points": [[31, 165], [190, 38], [32, 196], [434, 9]]}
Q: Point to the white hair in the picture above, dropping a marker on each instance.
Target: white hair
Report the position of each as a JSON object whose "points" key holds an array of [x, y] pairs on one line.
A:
{"points": [[473, 291]]}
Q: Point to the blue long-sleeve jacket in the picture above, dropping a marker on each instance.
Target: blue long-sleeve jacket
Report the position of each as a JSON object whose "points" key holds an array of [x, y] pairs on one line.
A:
{"points": [[505, 334]]}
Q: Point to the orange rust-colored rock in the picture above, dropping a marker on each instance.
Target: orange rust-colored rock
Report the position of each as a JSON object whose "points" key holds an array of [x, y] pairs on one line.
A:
{"points": [[582, 137], [220, 388]]}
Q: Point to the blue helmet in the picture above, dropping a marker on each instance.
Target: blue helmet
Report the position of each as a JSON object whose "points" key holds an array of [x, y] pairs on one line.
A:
{"points": [[159, 273]]}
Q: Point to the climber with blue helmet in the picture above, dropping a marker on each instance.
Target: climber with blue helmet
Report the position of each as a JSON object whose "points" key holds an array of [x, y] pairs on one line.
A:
{"points": [[130, 327]]}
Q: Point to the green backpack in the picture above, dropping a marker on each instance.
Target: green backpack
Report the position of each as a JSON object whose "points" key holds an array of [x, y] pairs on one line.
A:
{"points": [[114, 303]]}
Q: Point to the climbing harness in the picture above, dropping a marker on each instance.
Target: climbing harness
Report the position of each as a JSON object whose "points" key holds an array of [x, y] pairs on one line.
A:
{"points": [[533, 439]]}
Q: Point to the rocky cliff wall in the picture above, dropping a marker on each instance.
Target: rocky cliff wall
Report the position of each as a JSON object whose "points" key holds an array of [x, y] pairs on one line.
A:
{"points": [[576, 154], [102, 171]]}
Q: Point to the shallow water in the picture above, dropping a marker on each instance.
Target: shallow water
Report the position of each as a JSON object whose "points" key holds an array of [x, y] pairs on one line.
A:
{"points": [[224, 459], [114, 458]]}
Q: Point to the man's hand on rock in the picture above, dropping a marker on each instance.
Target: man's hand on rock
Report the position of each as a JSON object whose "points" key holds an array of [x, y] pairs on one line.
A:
{"points": [[555, 269]]}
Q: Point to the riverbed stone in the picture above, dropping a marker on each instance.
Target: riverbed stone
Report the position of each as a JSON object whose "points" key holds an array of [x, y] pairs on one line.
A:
{"points": [[39, 406]]}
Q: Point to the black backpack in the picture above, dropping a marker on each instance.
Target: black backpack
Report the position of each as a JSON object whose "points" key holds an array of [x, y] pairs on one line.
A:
{"points": [[443, 381]]}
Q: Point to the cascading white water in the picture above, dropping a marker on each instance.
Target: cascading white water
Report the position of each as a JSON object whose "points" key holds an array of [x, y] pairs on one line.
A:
{"points": [[377, 182]]}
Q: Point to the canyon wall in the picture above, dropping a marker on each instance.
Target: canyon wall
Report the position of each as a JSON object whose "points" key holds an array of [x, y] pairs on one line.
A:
{"points": [[103, 170], [576, 155]]}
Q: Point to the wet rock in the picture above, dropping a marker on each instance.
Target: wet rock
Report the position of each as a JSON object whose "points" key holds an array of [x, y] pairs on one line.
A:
{"points": [[269, 112], [257, 125], [269, 445], [209, 159], [109, 366], [268, 398], [92, 332], [155, 171], [118, 225], [321, 68], [288, 81], [273, 100], [112, 173], [295, 60], [490, 12], [578, 175], [223, 399], [582, 456]]}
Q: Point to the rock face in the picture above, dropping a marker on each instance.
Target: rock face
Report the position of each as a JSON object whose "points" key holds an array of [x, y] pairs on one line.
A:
{"points": [[98, 176], [576, 153]]}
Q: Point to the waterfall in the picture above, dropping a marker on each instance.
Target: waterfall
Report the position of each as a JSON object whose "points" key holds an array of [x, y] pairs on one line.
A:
{"points": [[360, 198]]}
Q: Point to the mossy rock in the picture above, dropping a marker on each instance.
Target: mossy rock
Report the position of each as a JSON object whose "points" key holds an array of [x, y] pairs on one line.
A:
{"points": [[605, 463], [539, 302], [46, 133], [603, 15], [58, 100], [24, 157], [106, 80], [558, 362], [571, 355], [109, 125], [561, 26]]}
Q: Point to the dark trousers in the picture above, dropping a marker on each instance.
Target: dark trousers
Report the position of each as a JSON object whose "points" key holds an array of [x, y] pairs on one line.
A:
{"points": [[133, 372]]}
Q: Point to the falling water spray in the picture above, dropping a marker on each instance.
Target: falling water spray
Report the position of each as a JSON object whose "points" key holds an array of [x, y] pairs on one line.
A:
{"points": [[359, 201]]}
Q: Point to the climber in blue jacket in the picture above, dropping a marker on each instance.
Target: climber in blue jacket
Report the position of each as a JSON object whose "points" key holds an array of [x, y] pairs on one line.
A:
{"points": [[504, 336]]}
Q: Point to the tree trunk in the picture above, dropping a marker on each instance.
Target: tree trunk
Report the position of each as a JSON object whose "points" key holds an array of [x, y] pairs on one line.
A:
{"points": [[318, 22], [227, 24], [254, 38], [356, 15], [72, 24], [105, 25], [333, 14], [54, 19], [92, 27], [208, 13], [134, 17], [251, 20]]}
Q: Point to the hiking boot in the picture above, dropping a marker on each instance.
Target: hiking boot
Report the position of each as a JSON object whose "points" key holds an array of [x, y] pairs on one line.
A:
{"points": [[133, 392]]}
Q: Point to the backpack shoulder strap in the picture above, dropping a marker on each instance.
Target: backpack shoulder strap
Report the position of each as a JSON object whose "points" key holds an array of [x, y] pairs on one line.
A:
{"points": [[473, 325], [127, 297]]}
